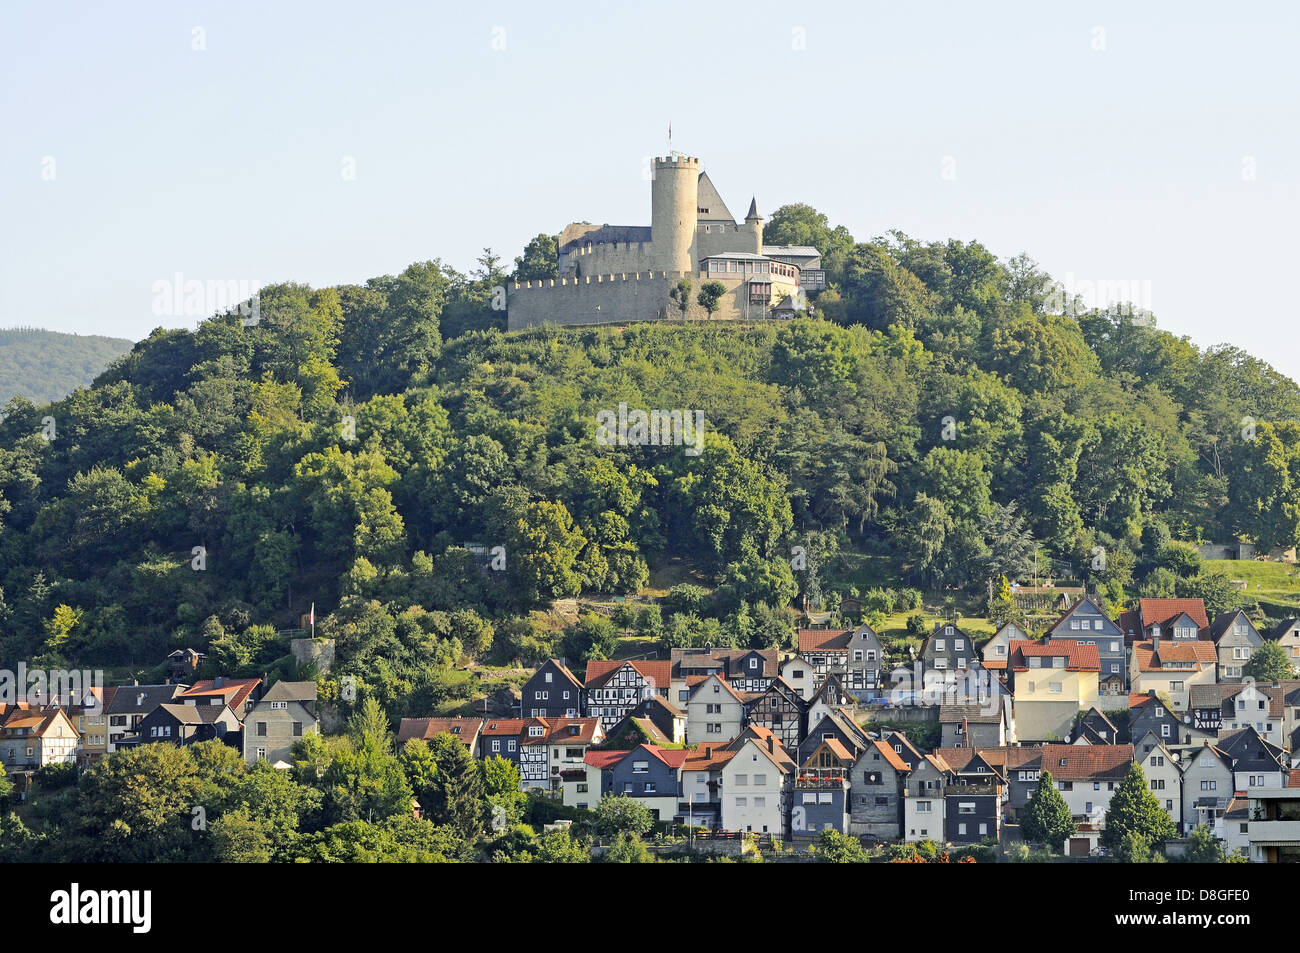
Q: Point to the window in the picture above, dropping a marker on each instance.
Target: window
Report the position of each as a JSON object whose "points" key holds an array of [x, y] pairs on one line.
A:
{"points": [[297, 729], [511, 745], [797, 673], [742, 802], [496, 746], [760, 802], [1114, 646], [966, 807], [923, 807], [261, 754], [1209, 785], [261, 729], [1087, 808], [548, 678], [760, 780], [582, 787], [650, 787], [938, 645], [640, 767], [1055, 688], [961, 828], [741, 780], [1164, 730], [1096, 625]]}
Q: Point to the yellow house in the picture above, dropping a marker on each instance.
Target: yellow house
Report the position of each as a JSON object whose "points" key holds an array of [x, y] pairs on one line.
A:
{"points": [[1050, 684]]}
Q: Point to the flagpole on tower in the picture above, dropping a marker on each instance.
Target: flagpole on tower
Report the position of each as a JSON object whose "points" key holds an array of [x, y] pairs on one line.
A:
{"points": [[670, 137]]}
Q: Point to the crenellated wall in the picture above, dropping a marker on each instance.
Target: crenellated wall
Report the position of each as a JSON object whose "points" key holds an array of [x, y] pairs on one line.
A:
{"points": [[632, 296]]}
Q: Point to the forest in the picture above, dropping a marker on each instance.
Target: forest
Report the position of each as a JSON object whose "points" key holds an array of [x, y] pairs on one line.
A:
{"points": [[940, 420], [48, 365]]}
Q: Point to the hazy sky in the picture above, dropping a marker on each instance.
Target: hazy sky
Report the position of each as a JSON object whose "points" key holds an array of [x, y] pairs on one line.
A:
{"points": [[329, 142]]}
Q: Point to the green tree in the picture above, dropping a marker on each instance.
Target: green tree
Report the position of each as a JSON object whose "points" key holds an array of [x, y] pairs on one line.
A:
{"points": [[1269, 663], [616, 814], [1135, 814], [1047, 819], [836, 848], [559, 847], [1203, 847], [680, 295], [540, 259], [627, 849], [710, 296]]}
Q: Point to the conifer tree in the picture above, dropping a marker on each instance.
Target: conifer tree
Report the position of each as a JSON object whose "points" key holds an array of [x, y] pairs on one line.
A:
{"points": [[1047, 817], [1135, 810]]}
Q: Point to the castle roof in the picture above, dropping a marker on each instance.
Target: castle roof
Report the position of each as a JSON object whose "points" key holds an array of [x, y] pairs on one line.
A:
{"points": [[753, 209], [710, 204], [609, 233]]}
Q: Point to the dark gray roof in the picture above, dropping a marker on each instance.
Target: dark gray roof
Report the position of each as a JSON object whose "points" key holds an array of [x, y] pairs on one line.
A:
{"points": [[291, 692], [611, 233], [141, 699]]}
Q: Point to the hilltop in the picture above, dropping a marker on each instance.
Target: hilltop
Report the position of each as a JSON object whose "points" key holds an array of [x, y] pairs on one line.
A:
{"points": [[48, 365]]}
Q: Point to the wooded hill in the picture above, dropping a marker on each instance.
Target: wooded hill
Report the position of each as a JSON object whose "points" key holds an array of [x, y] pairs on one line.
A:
{"points": [[48, 365], [344, 450]]}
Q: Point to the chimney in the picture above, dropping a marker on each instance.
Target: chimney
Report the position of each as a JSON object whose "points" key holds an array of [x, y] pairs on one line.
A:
{"points": [[771, 744]]}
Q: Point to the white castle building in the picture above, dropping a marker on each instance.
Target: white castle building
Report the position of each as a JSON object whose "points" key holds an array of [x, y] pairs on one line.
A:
{"points": [[617, 273]]}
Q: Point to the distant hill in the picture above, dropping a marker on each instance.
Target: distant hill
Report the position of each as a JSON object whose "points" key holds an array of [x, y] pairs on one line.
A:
{"points": [[48, 365]]}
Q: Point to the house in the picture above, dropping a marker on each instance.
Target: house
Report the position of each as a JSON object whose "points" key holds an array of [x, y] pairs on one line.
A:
{"points": [[829, 696], [876, 792], [91, 721], [534, 754], [821, 790], [174, 723], [634, 730], [278, 720], [569, 740], [1236, 639], [801, 675], [129, 705], [906, 751], [1094, 728], [997, 650], [1050, 682], [1231, 706], [584, 788], [182, 664], [780, 710], [500, 738], [1021, 767], [651, 775], [1164, 775], [1177, 619], [1170, 667], [1287, 634], [837, 724], [31, 738], [757, 783], [715, 711], [1147, 713], [239, 694], [1272, 833], [748, 671], [1087, 776], [826, 649], [552, 692], [1087, 623], [1256, 762], [973, 797], [702, 785], [973, 726], [1207, 786], [923, 799], [465, 730], [668, 719], [614, 689], [946, 650]]}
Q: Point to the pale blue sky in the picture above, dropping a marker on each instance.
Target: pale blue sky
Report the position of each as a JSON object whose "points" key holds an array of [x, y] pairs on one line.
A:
{"points": [[1123, 163]]}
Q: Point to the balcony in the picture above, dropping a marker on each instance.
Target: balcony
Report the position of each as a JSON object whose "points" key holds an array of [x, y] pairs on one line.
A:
{"points": [[821, 778]]}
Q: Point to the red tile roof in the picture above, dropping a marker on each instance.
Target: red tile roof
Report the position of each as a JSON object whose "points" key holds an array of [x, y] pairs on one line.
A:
{"points": [[604, 759], [585, 735], [1086, 762], [466, 729], [1164, 610], [505, 727], [657, 671], [824, 640], [1198, 653], [233, 691], [1078, 657]]}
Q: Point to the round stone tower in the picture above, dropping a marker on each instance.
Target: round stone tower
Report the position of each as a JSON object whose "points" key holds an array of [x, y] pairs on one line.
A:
{"points": [[674, 197]]}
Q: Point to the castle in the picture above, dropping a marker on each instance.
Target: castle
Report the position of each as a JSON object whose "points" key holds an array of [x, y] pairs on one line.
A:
{"points": [[611, 273]]}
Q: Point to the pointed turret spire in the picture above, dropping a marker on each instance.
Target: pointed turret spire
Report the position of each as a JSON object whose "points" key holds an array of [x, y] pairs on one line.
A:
{"points": [[753, 210]]}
